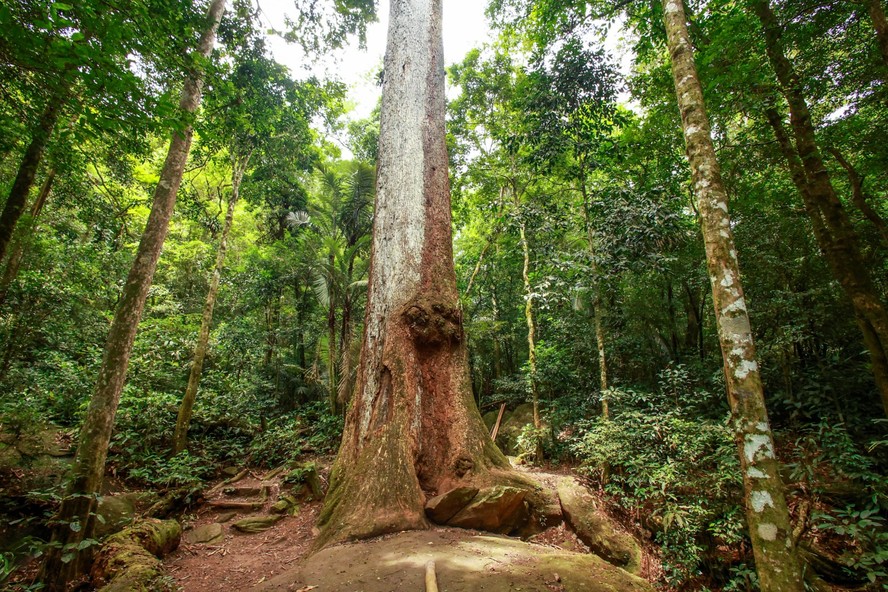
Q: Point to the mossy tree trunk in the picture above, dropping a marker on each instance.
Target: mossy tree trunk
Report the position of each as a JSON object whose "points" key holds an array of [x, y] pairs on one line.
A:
{"points": [[412, 426], [880, 24], [17, 254], [78, 506], [180, 437], [27, 171], [528, 308], [842, 247], [767, 515]]}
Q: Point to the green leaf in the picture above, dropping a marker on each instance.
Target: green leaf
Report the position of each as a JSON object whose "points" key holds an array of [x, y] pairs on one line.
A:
{"points": [[61, 6], [75, 526], [67, 557]]}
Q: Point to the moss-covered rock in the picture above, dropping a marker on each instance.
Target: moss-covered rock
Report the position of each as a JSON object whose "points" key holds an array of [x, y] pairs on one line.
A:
{"points": [[129, 560], [595, 528], [254, 524]]}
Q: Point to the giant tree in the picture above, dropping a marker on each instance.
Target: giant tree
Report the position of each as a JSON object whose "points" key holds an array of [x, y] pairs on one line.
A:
{"points": [[412, 426]]}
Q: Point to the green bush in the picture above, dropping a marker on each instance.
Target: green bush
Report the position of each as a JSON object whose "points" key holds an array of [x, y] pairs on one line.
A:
{"points": [[680, 471]]}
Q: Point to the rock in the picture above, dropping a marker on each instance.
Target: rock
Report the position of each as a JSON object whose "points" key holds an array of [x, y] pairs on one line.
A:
{"points": [[511, 426], [596, 529], [225, 516], [306, 482], [256, 524], [246, 491], [48, 441], [545, 512], [464, 562], [283, 505], [206, 533], [494, 509], [490, 418], [235, 505], [230, 471], [442, 508], [117, 512]]}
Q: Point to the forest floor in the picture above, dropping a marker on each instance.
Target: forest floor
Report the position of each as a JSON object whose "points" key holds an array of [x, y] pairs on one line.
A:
{"points": [[277, 559]]}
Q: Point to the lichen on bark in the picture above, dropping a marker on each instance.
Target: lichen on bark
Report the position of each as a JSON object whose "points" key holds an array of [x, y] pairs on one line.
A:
{"points": [[767, 515]]}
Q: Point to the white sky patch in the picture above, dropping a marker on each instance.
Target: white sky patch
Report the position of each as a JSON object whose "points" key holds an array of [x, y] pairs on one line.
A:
{"points": [[465, 27]]}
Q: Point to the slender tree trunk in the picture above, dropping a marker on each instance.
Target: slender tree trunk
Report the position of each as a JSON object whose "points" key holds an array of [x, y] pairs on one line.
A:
{"points": [[180, 438], [413, 425], [331, 337], [531, 326], [858, 197], [767, 515], [18, 248], [24, 179], [837, 237], [880, 24], [89, 463]]}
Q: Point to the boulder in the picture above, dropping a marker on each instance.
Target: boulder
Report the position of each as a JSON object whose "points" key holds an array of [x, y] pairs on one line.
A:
{"points": [[603, 535], [512, 425], [116, 511], [490, 418], [442, 508], [305, 481], [495, 509], [206, 533], [545, 513], [254, 524]]}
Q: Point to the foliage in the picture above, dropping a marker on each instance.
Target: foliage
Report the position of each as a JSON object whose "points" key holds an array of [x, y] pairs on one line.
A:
{"points": [[681, 472]]}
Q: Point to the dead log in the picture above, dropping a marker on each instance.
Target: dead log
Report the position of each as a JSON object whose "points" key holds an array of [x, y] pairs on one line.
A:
{"points": [[129, 560]]}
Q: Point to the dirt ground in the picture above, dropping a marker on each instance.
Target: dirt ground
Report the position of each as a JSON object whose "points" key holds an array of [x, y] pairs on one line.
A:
{"points": [[241, 561], [277, 560]]}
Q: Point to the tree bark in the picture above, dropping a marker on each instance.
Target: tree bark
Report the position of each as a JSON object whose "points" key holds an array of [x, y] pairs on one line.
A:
{"points": [[528, 315], [14, 263], [767, 515], [180, 437], [24, 179], [412, 426], [880, 24], [331, 335], [858, 196], [95, 435], [843, 254]]}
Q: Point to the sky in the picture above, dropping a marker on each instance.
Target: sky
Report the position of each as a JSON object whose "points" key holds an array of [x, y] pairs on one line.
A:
{"points": [[464, 28]]}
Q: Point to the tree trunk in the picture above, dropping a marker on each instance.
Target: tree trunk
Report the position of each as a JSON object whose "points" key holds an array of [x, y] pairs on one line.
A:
{"points": [[95, 435], [880, 24], [18, 249], [767, 515], [180, 438], [840, 244], [24, 179], [858, 197], [412, 426], [331, 336]]}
